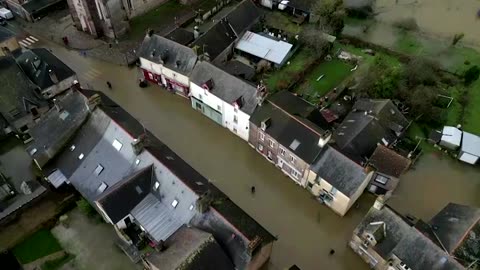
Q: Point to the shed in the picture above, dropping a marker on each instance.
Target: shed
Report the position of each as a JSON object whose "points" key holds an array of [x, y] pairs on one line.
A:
{"points": [[470, 150], [451, 137], [272, 50]]}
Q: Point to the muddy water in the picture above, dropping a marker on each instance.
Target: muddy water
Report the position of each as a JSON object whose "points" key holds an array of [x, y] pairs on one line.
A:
{"points": [[443, 18], [305, 229]]}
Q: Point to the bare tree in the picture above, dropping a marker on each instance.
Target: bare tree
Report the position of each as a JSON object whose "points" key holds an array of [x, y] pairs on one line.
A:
{"points": [[313, 37], [329, 13]]}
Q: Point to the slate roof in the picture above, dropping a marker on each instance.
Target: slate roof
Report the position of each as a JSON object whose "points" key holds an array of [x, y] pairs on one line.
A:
{"points": [[171, 54], [339, 171], [181, 36], [191, 249], [225, 86], [243, 16], [215, 40], [389, 162], [124, 196], [57, 127], [238, 69], [406, 242], [285, 126], [367, 124], [17, 95], [188, 175], [38, 5], [453, 222], [37, 62]]}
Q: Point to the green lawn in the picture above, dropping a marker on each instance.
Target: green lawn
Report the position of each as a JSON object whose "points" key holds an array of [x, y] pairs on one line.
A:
{"points": [[454, 115], [334, 72], [156, 18], [287, 73], [409, 44], [472, 111], [38, 245]]}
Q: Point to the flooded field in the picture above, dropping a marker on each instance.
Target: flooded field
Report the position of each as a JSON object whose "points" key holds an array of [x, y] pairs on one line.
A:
{"points": [[443, 18]]}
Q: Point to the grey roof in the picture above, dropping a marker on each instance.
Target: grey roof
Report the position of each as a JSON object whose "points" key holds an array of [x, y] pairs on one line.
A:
{"points": [[406, 242], [238, 69], [286, 127], [243, 16], [171, 54], [471, 144], [215, 40], [17, 95], [181, 36], [160, 220], [119, 200], [37, 63], [57, 127], [389, 162], [367, 124], [303, 5], [33, 6], [191, 249], [453, 222], [341, 172], [5, 34], [225, 86]]}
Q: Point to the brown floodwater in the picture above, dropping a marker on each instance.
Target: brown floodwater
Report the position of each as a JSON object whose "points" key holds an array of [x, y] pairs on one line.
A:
{"points": [[306, 230], [443, 18]]}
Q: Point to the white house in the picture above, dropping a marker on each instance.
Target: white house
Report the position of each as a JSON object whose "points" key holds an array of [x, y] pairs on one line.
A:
{"points": [[470, 149], [224, 98], [167, 63]]}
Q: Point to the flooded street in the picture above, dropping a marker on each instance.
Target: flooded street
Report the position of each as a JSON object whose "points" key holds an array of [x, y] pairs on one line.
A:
{"points": [[306, 230], [443, 18]]}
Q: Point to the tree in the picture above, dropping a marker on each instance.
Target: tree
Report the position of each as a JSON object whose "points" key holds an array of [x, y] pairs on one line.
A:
{"points": [[311, 35], [419, 71], [421, 101], [359, 8], [471, 75], [381, 80], [330, 13]]}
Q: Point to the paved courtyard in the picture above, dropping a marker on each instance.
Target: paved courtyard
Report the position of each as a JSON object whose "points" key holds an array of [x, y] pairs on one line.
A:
{"points": [[92, 244]]}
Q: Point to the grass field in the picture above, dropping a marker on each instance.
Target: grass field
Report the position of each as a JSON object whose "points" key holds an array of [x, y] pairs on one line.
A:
{"points": [[472, 111], [334, 72], [288, 72], [38, 245]]}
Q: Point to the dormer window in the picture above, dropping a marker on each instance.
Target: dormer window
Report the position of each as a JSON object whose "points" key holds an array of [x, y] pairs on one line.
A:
{"points": [[208, 85], [238, 104], [265, 124]]}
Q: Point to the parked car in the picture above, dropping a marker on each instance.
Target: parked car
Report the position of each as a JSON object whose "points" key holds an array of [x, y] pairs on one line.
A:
{"points": [[6, 13]]}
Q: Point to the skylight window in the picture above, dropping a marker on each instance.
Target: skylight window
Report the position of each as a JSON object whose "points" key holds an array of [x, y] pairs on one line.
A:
{"points": [[294, 145], [138, 189], [102, 187], [191, 207], [33, 151], [137, 161], [117, 144], [72, 147], [81, 156], [156, 186], [99, 169], [174, 203]]}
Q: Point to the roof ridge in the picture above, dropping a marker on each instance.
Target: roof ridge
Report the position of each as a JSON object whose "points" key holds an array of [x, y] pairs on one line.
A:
{"points": [[294, 118]]}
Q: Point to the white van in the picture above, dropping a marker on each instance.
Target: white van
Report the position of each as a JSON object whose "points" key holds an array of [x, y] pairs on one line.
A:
{"points": [[6, 14]]}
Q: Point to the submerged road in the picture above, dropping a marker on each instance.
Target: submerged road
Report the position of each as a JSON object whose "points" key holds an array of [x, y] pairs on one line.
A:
{"points": [[306, 230]]}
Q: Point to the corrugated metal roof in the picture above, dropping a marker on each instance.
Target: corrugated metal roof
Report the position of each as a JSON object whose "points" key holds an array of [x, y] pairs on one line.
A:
{"points": [[266, 48], [57, 178], [451, 135], [158, 219], [471, 144]]}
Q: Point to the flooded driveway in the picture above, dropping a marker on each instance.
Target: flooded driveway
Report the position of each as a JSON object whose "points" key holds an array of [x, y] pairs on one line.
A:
{"points": [[443, 18], [306, 230]]}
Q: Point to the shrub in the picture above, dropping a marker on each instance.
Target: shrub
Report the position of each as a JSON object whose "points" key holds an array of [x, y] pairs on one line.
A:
{"points": [[471, 75], [282, 85], [409, 24], [86, 208]]}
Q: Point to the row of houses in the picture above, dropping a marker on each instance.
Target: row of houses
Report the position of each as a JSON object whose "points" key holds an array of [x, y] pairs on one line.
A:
{"points": [[388, 240], [31, 79], [145, 190], [329, 159]]}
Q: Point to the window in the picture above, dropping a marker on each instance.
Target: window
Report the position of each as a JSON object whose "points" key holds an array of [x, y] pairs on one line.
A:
{"points": [[235, 109], [102, 187], [198, 106], [271, 143], [310, 185], [235, 130], [175, 203], [219, 108], [295, 174], [129, 4], [260, 147], [200, 96], [99, 169], [117, 145], [292, 159], [137, 161], [191, 207], [333, 191], [235, 119], [282, 151], [381, 179], [262, 136], [72, 147], [81, 156], [33, 151], [156, 186], [138, 189]]}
